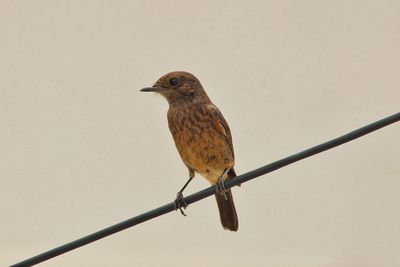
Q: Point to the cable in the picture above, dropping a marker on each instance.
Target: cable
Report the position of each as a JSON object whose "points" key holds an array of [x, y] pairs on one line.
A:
{"points": [[209, 191]]}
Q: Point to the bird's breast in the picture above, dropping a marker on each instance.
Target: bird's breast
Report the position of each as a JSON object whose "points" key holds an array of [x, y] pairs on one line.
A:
{"points": [[199, 141]]}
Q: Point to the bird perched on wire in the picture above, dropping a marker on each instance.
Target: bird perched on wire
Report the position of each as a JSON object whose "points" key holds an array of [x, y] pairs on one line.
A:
{"points": [[202, 137]]}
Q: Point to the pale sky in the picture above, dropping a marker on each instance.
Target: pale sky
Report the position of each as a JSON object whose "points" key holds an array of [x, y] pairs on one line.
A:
{"points": [[82, 148]]}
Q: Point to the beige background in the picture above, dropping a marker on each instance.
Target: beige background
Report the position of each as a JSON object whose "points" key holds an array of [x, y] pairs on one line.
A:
{"points": [[81, 148]]}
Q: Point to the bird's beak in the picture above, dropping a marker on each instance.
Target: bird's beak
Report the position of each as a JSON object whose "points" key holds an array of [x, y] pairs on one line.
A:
{"points": [[151, 89]]}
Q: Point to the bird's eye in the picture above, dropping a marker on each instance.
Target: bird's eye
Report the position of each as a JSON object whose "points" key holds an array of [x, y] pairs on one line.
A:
{"points": [[173, 81]]}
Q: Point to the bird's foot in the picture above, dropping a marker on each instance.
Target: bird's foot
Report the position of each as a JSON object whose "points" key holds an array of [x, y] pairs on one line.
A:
{"points": [[221, 189], [180, 203]]}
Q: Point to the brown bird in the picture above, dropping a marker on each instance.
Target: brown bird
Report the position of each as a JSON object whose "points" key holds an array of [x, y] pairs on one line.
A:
{"points": [[202, 137]]}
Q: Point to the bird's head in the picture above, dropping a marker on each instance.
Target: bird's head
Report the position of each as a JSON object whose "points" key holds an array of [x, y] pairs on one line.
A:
{"points": [[179, 86]]}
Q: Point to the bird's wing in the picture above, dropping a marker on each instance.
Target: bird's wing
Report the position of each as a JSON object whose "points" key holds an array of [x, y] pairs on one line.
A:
{"points": [[221, 125]]}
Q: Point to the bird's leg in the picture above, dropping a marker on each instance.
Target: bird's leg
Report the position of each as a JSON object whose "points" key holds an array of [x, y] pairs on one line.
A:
{"points": [[180, 202], [220, 187]]}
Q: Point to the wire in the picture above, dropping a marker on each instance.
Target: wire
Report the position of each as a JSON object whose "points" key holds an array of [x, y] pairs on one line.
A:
{"points": [[209, 191]]}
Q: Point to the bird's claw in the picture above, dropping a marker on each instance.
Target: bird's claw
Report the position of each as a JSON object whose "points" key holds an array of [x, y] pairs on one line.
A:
{"points": [[180, 203], [221, 189]]}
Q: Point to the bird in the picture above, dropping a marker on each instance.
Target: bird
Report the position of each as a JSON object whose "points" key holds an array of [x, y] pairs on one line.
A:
{"points": [[202, 137]]}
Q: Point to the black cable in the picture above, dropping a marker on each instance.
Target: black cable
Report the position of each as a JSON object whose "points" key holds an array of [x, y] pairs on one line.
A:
{"points": [[209, 191]]}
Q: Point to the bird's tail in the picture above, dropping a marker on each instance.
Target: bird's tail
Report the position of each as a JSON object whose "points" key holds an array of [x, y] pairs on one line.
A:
{"points": [[226, 207]]}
